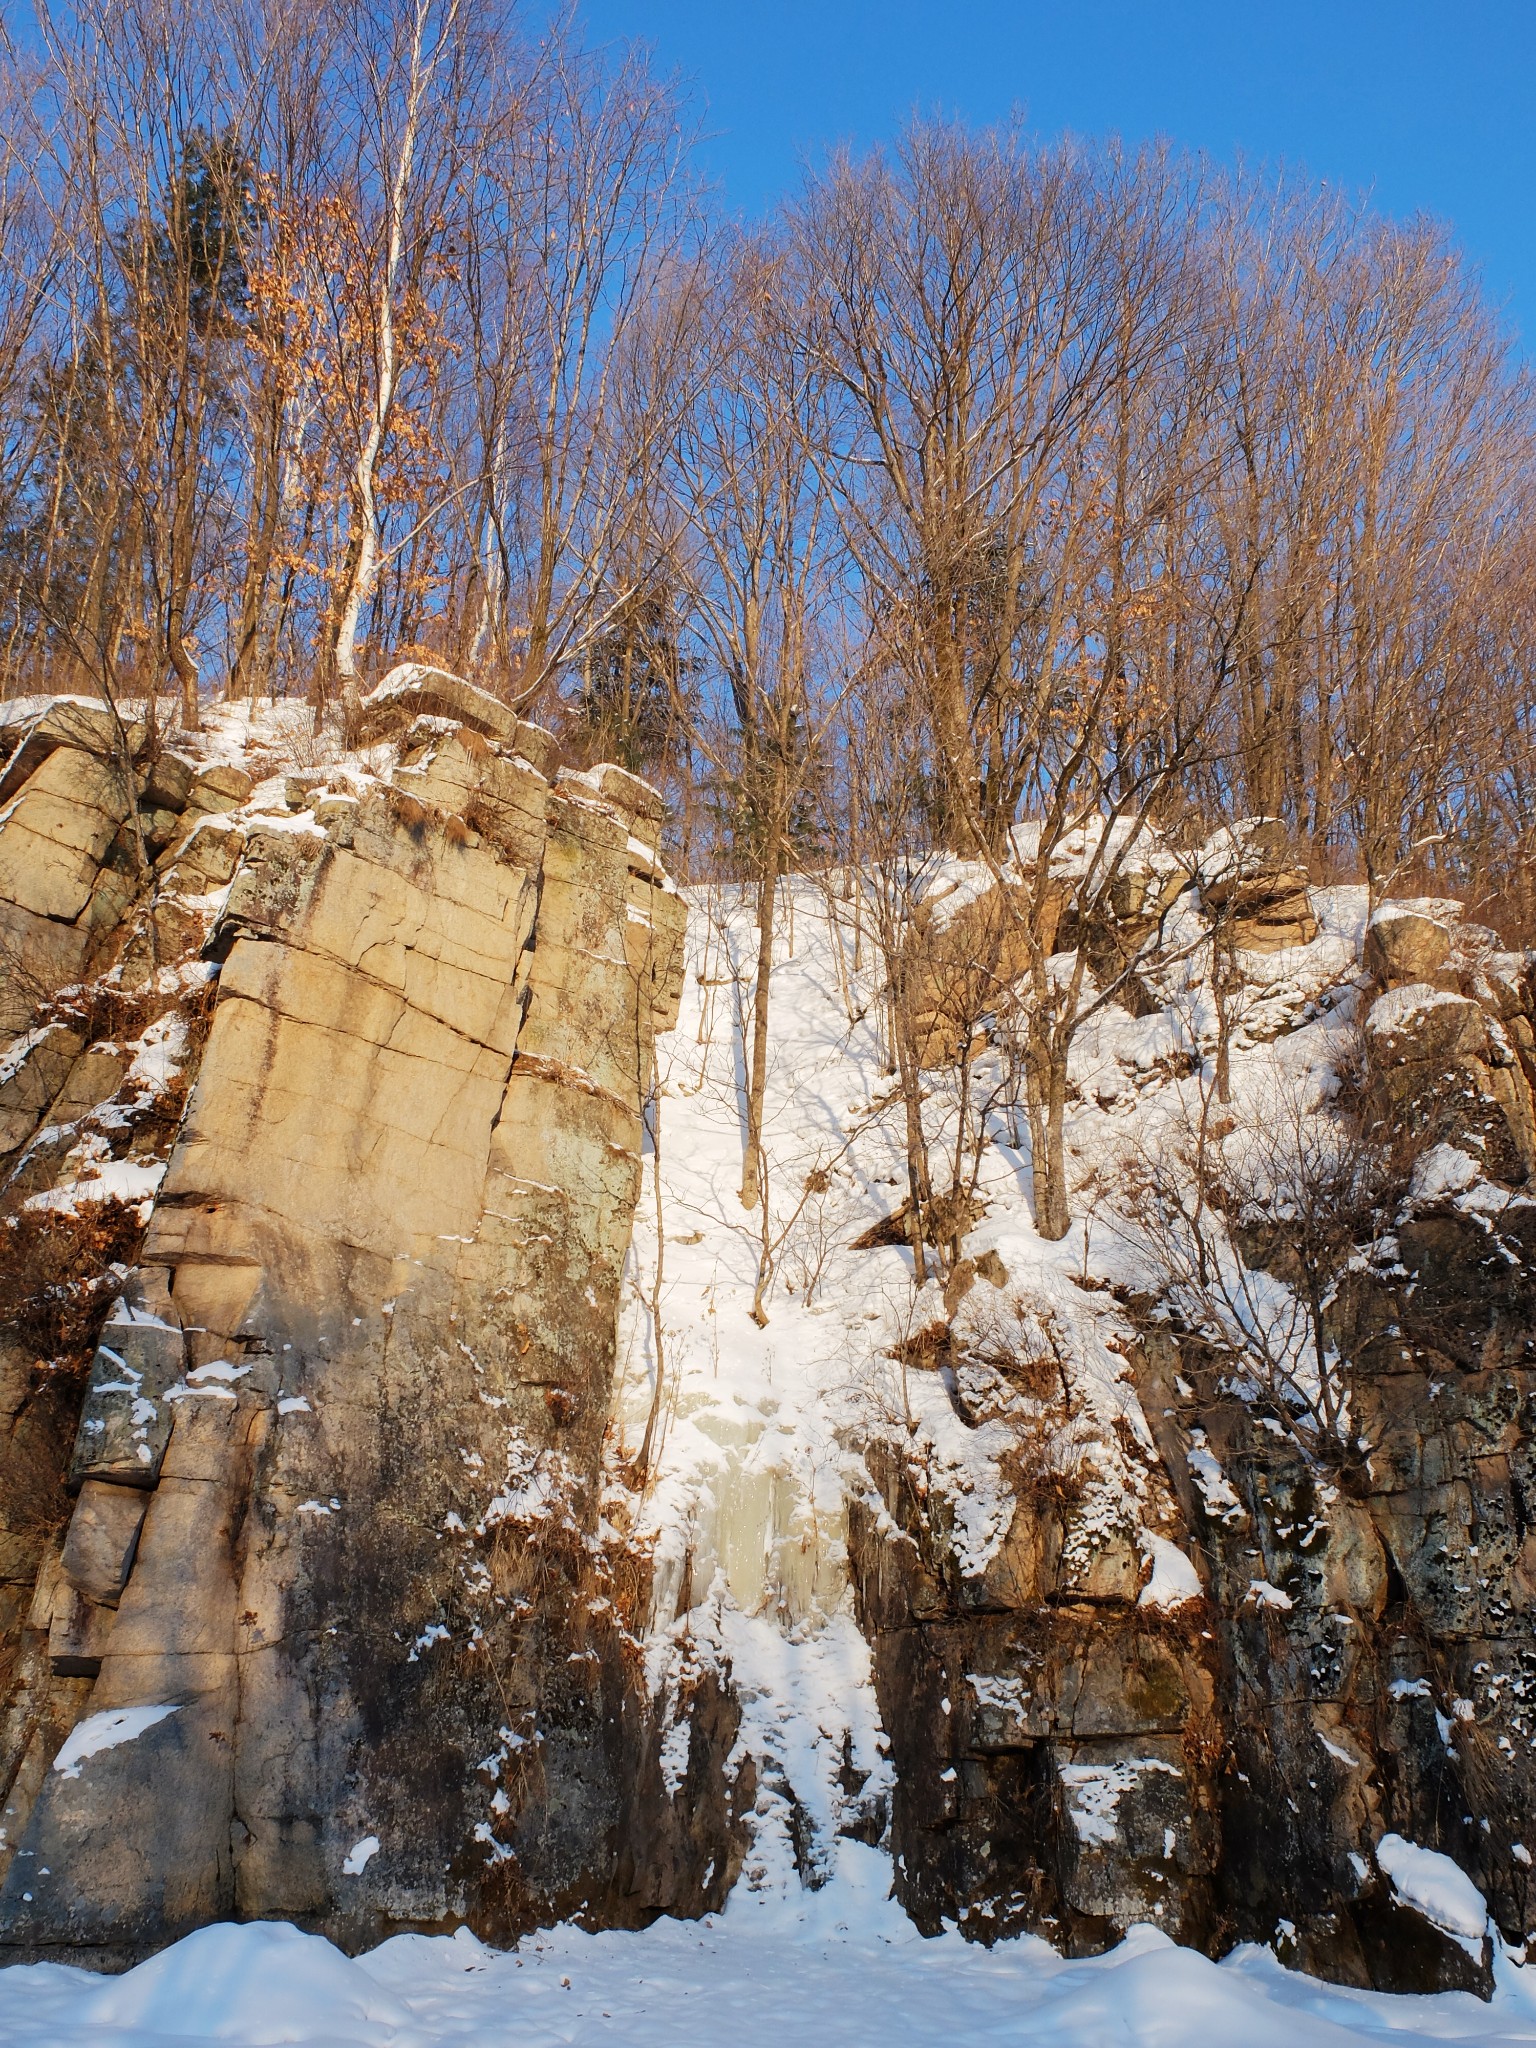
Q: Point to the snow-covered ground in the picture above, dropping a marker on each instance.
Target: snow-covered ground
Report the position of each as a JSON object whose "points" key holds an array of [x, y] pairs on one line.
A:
{"points": [[838, 1966]]}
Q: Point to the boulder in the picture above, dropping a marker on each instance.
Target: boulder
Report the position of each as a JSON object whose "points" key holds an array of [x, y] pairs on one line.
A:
{"points": [[55, 832], [31, 1074], [168, 781], [1417, 1026], [103, 1536], [206, 858], [78, 1631], [1264, 912], [220, 786], [962, 962], [299, 791], [640, 801], [1144, 892], [125, 1421], [64, 871], [1409, 942], [31, 728], [91, 1080], [1249, 884], [413, 689]]}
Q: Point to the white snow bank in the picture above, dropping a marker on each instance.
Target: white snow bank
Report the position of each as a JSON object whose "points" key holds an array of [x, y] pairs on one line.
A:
{"points": [[106, 1730], [848, 1971], [1434, 1886], [264, 1983], [104, 1180], [1174, 1579], [1443, 1170]]}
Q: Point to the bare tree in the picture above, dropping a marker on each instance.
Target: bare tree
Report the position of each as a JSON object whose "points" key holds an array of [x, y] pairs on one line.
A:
{"points": [[415, 76], [759, 569], [581, 258]]}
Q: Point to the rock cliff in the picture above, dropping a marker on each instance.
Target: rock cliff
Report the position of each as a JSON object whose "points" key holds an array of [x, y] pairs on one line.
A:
{"points": [[336, 1473], [1183, 1573]]}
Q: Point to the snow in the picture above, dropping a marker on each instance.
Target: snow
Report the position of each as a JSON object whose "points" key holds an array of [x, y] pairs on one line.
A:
{"points": [[1174, 1579], [296, 825], [107, 1730], [1262, 1594], [1221, 1503], [157, 1056], [1441, 910], [17, 1052], [1339, 1753], [1399, 1007], [762, 1430], [358, 1857], [1009, 1694], [845, 1970], [217, 1369], [1436, 1887], [1094, 1792], [104, 1180], [1443, 1170]]}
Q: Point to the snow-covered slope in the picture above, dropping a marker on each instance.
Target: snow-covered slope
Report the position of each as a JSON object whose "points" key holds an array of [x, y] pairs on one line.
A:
{"points": [[760, 1423]]}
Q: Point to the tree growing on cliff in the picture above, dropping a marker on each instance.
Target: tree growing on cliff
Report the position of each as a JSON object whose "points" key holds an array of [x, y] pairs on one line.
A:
{"points": [[1244, 1228], [749, 486], [415, 78]]}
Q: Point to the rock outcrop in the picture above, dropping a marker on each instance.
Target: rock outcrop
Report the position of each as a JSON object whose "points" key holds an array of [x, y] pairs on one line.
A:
{"points": [[1356, 1660], [326, 1594], [331, 1618], [1250, 886]]}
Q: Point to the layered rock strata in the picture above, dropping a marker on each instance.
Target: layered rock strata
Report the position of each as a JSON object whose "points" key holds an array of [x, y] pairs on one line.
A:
{"points": [[330, 1616]]}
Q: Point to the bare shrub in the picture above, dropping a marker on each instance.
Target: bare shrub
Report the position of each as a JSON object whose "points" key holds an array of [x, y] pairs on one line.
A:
{"points": [[1013, 1367], [1244, 1227], [59, 1272]]}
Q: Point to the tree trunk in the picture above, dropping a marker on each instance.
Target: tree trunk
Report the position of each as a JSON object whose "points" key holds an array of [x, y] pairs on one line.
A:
{"points": [[253, 653], [363, 553], [757, 1075], [910, 1073], [1045, 1081]]}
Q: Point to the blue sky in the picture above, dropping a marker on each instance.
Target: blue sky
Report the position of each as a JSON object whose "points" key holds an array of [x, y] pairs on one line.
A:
{"points": [[1429, 104]]}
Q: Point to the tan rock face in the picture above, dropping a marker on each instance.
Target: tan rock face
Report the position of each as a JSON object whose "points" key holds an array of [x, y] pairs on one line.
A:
{"points": [[103, 1537], [1418, 1026], [1264, 912], [30, 1077], [55, 832], [1406, 944], [413, 690], [61, 815], [33, 728], [337, 1460], [960, 968]]}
